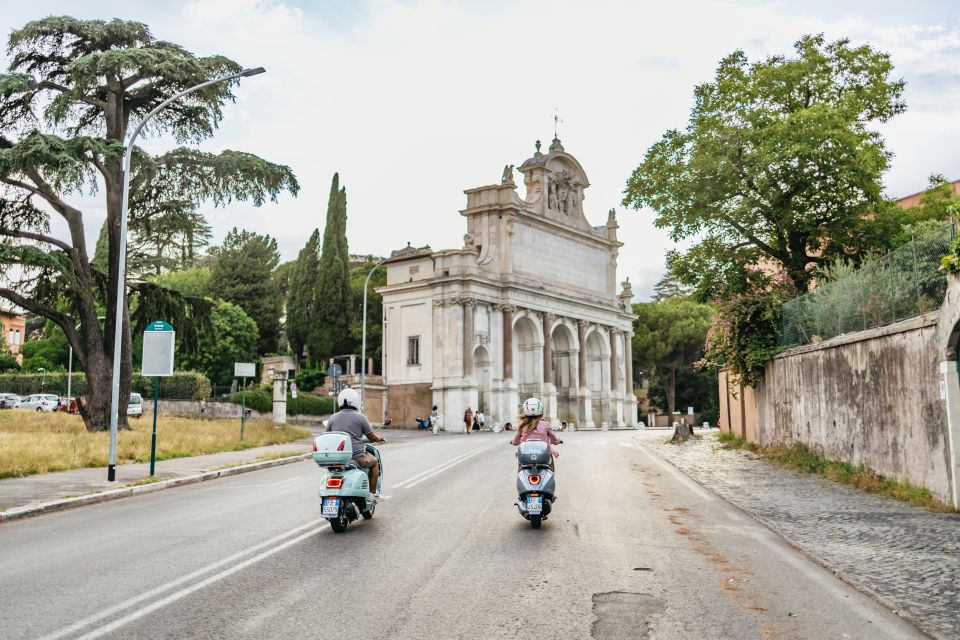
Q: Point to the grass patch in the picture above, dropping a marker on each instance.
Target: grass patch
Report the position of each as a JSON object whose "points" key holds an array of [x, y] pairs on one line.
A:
{"points": [[32, 443], [263, 457], [799, 457], [143, 481]]}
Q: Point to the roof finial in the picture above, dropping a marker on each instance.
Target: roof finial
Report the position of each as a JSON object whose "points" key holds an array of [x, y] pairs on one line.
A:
{"points": [[537, 145], [556, 123]]}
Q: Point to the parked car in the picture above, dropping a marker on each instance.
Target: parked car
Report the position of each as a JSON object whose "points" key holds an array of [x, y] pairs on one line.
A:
{"points": [[45, 402], [135, 407], [8, 400]]}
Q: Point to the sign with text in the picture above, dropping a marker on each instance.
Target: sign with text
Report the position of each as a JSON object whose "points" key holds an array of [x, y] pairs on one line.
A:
{"points": [[158, 343], [244, 370]]}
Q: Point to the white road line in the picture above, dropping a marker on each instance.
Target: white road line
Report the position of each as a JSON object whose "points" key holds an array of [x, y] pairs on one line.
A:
{"points": [[126, 604], [429, 473], [176, 595]]}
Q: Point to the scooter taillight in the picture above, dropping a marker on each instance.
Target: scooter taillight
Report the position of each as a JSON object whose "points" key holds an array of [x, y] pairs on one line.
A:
{"points": [[314, 447], [533, 479], [342, 442], [334, 483]]}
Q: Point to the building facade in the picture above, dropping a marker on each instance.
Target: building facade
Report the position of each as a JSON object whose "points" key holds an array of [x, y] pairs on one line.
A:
{"points": [[527, 307], [13, 326]]}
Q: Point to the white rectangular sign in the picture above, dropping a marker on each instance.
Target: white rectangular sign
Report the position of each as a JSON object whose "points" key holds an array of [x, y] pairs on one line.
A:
{"points": [[158, 346], [244, 369]]}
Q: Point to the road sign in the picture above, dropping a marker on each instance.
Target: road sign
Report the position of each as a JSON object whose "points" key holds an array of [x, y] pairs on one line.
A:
{"points": [[334, 371], [158, 340], [244, 370], [293, 390]]}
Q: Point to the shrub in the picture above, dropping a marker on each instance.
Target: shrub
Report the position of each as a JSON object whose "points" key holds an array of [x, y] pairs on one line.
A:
{"points": [[188, 385], [304, 404], [310, 379], [182, 385]]}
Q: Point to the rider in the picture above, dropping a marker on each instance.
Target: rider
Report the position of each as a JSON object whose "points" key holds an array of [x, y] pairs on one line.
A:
{"points": [[533, 427], [349, 420]]}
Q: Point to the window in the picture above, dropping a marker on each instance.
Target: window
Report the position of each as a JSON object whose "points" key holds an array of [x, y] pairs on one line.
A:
{"points": [[413, 350], [16, 336]]}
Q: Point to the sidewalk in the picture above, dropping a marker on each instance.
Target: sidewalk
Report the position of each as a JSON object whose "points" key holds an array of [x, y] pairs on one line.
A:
{"points": [[36, 489], [904, 556]]}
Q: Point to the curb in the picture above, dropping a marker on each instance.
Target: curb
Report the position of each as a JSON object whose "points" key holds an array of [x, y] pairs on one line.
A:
{"points": [[894, 608], [18, 513]]}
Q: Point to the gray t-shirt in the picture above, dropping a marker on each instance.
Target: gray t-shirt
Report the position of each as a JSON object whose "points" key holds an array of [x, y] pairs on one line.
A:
{"points": [[354, 423]]}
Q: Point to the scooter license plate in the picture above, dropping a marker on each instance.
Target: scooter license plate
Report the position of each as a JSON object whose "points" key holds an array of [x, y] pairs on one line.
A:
{"points": [[330, 507], [534, 505]]}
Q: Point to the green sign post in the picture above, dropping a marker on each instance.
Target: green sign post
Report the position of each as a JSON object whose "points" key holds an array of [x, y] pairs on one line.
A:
{"points": [[158, 341]]}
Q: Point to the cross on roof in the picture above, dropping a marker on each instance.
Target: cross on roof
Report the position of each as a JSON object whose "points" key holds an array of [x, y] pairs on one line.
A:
{"points": [[556, 122]]}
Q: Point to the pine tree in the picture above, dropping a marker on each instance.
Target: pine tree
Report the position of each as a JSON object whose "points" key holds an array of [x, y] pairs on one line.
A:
{"points": [[302, 294], [330, 334]]}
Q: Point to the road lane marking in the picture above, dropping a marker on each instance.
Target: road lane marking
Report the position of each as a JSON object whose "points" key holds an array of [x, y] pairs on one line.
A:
{"points": [[443, 466], [429, 473], [182, 593], [126, 604]]}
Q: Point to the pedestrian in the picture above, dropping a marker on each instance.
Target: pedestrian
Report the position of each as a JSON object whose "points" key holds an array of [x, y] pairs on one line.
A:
{"points": [[563, 425], [480, 419], [508, 427], [435, 419], [476, 423], [203, 408], [467, 420]]}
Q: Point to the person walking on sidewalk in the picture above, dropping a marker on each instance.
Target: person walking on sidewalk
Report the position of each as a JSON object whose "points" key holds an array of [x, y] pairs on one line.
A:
{"points": [[467, 420]]}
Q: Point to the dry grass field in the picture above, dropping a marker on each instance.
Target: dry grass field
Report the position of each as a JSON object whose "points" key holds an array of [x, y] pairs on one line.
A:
{"points": [[43, 442]]}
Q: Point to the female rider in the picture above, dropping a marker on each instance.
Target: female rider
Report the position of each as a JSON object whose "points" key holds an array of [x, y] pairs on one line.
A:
{"points": [[532, 426]]}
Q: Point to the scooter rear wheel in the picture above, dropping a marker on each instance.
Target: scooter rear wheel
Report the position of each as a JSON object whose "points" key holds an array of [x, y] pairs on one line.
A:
{"points": [[535, 521], [339, 524]]}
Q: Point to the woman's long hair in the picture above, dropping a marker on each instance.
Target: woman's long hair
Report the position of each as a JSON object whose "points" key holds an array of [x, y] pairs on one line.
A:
{"points": [[527, 424]]}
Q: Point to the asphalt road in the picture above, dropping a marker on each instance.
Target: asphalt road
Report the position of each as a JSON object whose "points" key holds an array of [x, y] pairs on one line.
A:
{"points": [[633, 549]]}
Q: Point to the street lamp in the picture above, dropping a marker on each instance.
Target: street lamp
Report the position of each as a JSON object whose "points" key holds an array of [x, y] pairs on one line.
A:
{"points": [[363, 349], [43, 377], [122, 270]]}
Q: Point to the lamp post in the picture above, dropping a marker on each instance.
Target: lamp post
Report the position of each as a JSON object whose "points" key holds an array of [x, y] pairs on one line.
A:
{"points": [[363, 348], [122, 270]]}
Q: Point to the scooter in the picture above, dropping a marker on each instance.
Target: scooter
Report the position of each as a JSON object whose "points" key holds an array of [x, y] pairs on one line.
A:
{"points": [[536, 484], [345, 488]]}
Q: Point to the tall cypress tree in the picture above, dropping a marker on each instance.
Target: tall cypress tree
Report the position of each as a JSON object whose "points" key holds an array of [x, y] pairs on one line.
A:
{"points": [[302, 294], [331, 328]]}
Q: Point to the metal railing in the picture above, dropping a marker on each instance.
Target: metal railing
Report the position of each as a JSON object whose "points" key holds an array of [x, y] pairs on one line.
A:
{"points": [[901, 284]]}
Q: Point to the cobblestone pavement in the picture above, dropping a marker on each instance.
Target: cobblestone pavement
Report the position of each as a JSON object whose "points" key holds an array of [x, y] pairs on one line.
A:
{"points": [[905, 556]]}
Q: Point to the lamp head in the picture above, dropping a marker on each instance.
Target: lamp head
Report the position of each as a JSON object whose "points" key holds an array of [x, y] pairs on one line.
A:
{"points": [[252, 72]]}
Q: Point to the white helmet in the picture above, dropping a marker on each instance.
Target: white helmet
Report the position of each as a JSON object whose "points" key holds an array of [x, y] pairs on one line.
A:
{"points": [[532, 407], [348, 398]]}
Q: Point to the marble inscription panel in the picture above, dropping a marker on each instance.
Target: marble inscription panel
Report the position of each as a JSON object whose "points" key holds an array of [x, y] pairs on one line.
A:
{"points": [[559, 260]]}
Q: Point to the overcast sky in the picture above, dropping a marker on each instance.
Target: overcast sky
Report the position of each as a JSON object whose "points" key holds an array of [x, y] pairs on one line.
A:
{"points": [[415, 101]]}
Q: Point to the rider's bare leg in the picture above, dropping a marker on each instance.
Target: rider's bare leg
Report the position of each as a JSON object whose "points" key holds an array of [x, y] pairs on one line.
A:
{"points": [[374, 475]]}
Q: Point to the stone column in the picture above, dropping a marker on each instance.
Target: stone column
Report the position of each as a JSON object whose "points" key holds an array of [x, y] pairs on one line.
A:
{"points": [[628, 359], [467, 336], [508, 342], [582, 339], [547, 349], [614, 378]]}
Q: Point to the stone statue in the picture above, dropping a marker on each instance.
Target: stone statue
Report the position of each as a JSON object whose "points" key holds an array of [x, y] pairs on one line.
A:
{"points": [[571, 204], [611, 216], [507, 173], [563, 197], [552, 201]]}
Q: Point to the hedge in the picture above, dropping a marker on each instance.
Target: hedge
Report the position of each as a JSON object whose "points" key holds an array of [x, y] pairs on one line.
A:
{"points": [[304, 404], [183, 385]]}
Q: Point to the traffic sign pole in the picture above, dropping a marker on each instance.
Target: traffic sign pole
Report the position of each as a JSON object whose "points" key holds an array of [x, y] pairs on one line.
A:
{"points": [[153, 437], [243, 409]]}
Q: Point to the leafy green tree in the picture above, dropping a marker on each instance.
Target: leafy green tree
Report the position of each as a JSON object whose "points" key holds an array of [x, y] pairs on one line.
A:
{"points": [[669, 286], [50, 352], [361, 266], [780, 164], [73, 90], [242, 273], [193, 282], [165, 236], [302, 296], [669, 336], [234, 339], [330, 334]]}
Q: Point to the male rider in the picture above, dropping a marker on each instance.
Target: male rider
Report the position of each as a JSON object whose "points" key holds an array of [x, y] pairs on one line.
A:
{"points": [[349, 420]]}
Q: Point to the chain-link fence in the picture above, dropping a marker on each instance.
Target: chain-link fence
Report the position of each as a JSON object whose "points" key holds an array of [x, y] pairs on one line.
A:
{"points": [[899, 285]]}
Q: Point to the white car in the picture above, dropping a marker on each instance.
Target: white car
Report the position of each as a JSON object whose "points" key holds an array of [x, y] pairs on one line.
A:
{"points": [[45, 402], [135, 407]]}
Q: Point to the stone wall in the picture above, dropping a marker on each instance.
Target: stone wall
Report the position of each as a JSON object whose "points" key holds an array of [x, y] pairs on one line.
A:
{"points": [[191, 409], [870, 398]]}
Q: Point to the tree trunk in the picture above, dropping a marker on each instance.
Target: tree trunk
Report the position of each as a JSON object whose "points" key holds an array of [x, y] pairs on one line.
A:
{"points": [[682, 432], [670, 390]]}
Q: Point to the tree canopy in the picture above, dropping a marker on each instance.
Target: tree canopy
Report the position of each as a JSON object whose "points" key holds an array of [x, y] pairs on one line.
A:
{"points": [[780, 165], [302, 296], [330, 333], [242, 273], [669, 336], [72, 90]]}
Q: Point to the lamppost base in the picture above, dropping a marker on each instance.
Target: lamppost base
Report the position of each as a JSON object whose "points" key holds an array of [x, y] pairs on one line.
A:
{"points": [[111, 473]]}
